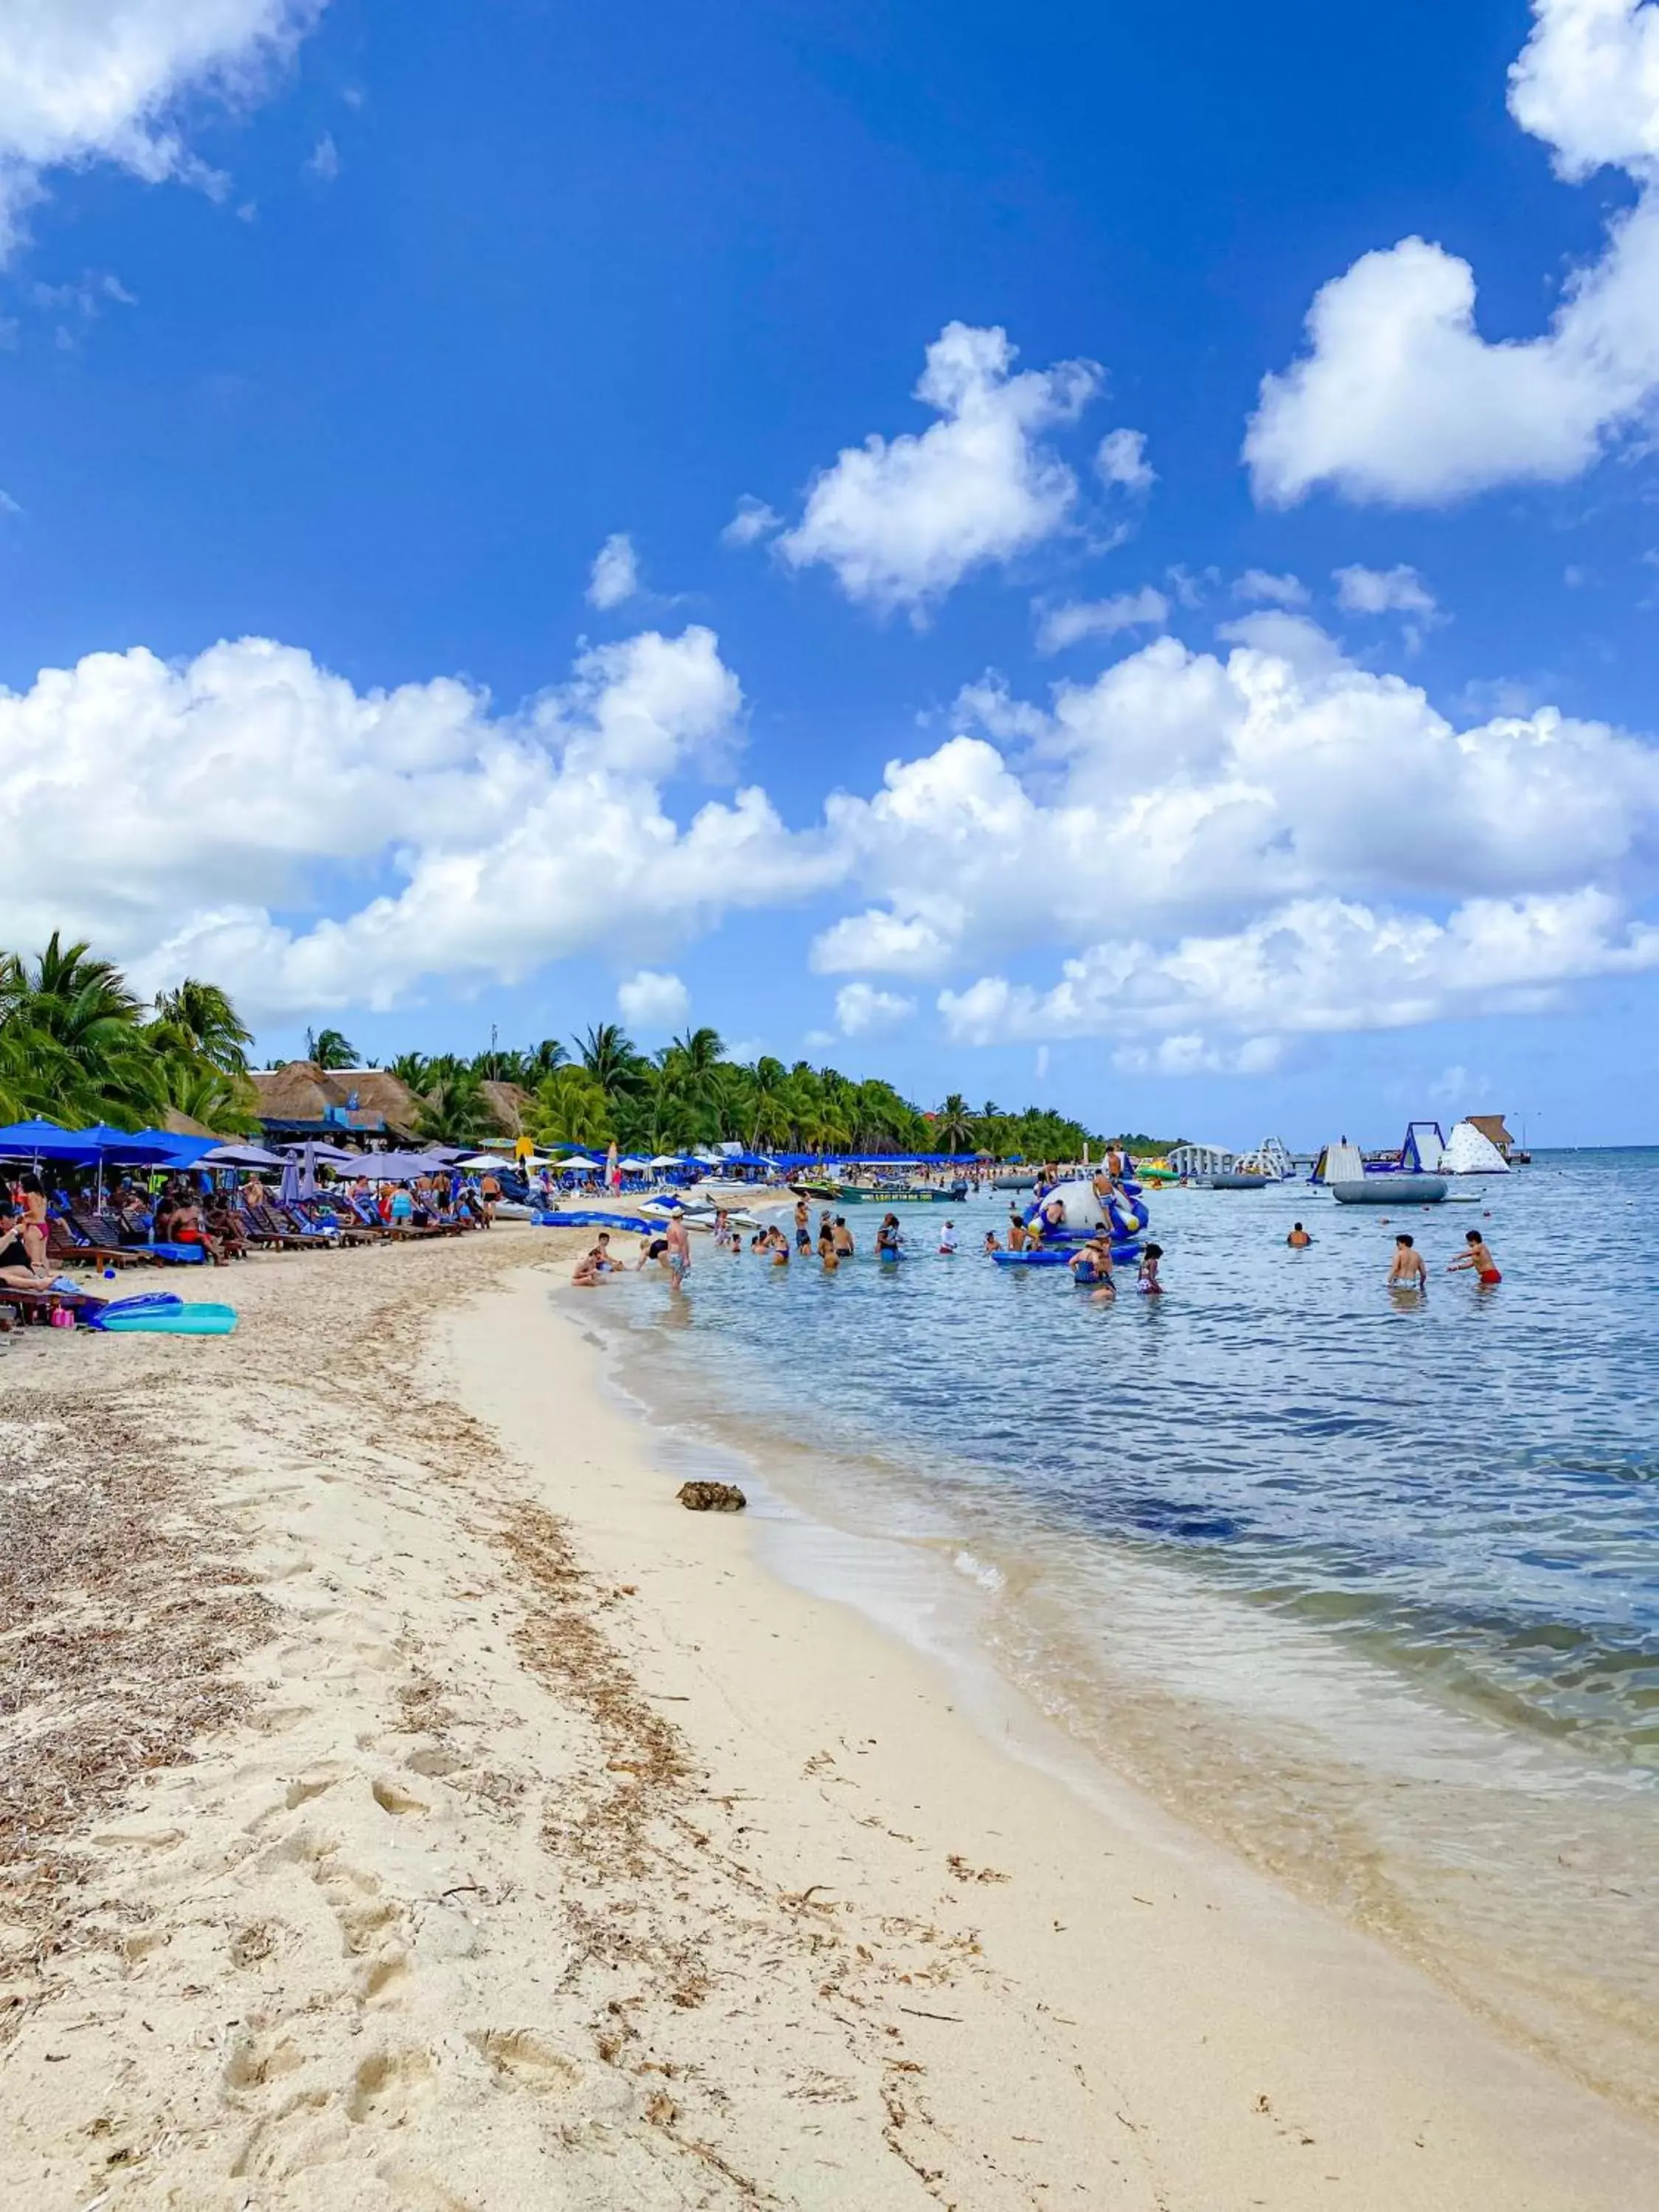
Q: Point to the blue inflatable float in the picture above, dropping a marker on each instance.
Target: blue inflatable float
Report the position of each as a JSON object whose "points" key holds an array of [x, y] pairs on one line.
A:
{"points": [[636, 1222]]}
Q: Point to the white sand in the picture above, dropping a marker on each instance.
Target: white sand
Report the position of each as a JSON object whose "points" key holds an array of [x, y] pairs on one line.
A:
{"points": [[579, 1862]]}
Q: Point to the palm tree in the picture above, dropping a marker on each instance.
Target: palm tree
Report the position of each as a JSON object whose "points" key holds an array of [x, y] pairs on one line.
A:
{"points": [[413, 1070], [205, 1024], [328, 1048], [953, 1125], [456, 1111], [224, 1103], [570, 1109], [608, 1054], [76, 1044]]}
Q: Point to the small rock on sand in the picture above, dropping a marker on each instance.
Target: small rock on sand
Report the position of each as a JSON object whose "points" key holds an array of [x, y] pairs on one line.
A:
{"points": [[712, 1498]]}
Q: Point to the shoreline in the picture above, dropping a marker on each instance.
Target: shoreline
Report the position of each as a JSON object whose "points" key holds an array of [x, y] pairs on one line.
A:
{"points": [[564, 1852]]}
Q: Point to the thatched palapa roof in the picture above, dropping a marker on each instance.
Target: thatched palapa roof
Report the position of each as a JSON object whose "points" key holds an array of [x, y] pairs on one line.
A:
{"points": [[302, 1091]]}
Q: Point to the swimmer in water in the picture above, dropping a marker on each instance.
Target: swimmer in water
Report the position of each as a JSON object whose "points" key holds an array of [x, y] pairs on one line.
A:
{"points": [[1299, 1239], [1477, 1261], [947, 1238], [991, 1243], [845, 1246], [887, 1238], [1407, 1272], [781, 1249], [1015, 1231], [1147, 1280], [1097, 1255]]}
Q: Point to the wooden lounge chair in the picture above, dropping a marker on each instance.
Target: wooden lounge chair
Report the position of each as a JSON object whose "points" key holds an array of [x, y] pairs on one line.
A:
{"points": [[69, 1245]]}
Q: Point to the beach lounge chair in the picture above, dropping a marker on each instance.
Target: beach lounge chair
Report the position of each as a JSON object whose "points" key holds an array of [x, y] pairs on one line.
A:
{"points": [[69, 1244]]}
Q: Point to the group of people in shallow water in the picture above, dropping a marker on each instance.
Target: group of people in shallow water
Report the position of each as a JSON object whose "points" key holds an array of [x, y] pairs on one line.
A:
{"points": [[1409, 1270], [1090, 1264]]}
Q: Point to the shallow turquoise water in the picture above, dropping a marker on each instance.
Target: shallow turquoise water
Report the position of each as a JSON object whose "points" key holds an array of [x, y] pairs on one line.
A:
{"points": [[1467, 1484]]}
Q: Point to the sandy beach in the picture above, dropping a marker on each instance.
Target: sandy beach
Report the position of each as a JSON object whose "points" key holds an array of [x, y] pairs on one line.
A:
{"points": [[406, 1804]]}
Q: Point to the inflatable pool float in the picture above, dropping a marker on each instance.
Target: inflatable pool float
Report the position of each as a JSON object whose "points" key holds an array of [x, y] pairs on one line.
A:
{"points": [[636, 1222], [160, 1312]]}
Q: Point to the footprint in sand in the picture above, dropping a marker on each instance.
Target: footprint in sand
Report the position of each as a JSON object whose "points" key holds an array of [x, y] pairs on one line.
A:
{"points": [[390, 2087], [382, 1982], [398, 1802], [525, 2060]]}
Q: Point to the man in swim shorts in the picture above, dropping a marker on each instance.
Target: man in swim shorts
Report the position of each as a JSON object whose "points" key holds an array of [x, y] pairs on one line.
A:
{"points": [[1407, 1272], [1477, 1261], [844, 1238], [803, 1226]]}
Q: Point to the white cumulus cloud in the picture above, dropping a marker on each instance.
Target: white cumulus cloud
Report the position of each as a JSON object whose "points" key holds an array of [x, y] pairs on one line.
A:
{"points": [[901, 521], [1383, 591], [862, 1011], [88, 80], [653, 1000], [1078, 619], [1260, 587], [460, 843], [1399, 399], [616, 576], [1120, 461], [1186, 815], [753, 521]]}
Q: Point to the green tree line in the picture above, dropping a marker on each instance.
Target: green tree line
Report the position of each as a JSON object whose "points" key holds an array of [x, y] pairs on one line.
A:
{"points": [[689, 1092], [78, 1046]]}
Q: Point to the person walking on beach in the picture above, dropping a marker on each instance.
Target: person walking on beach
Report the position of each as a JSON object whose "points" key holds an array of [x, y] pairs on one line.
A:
{"points": [[1299, 1239], [1407, 1272], [677, 1257], [1477, 1261]]}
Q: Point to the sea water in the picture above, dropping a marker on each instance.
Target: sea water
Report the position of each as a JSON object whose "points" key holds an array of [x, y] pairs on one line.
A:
{"points": [[1365, 1585]]}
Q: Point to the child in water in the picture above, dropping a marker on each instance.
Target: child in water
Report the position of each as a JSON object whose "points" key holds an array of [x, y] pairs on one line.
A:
{"points": [[1407, 1272], [1478, 1259], [991, 1243], [1150, 1285]]}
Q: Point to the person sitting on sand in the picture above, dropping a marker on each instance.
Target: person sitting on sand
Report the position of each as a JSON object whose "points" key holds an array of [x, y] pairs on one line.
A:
{"points": [[1299, 1239], [1477, 1259], [589, 1268], [845, 1246], [1407, 1272], [1147, 1281]]}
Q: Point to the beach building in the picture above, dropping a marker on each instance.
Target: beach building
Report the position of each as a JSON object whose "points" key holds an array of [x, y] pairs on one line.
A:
{"points": [[369, 1104]]}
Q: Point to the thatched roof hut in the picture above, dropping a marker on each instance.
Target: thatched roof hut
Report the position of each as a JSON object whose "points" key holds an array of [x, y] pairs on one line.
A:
{"points": [[1490, 1127], [304, 1099], [508, 1102]]}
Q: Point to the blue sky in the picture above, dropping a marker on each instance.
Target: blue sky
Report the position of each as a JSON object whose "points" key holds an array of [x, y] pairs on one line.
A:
{"points": [[1295, 793]]}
